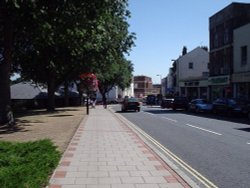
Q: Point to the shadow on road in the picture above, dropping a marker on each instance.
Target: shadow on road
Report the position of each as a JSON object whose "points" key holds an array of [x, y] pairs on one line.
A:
{"points": [[236, 118]]}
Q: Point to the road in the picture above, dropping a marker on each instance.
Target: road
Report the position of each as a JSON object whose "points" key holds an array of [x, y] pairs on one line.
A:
{"points": [[218, 148]]}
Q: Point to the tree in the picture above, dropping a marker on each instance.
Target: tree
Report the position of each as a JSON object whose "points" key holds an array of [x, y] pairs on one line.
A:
{"points": [[114, 69], [117, 74], [64, 41], [89, 84], [10, 17], [54, 41]]}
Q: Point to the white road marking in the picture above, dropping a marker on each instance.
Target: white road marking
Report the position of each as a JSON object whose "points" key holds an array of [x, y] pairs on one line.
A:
{"points": [[248, 142], [149, 113], [204, 129], [170, 119]]}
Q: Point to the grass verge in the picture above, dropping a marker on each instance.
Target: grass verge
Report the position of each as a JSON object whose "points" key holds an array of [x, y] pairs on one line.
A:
{"points": [[27, 164]]}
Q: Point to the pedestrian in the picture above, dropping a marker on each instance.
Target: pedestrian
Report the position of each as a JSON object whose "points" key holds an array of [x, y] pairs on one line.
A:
{"points": [[93, 100]]}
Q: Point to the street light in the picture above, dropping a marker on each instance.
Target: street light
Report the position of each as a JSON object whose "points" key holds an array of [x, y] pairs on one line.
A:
{"points": [[160, 81], [159, 76]]}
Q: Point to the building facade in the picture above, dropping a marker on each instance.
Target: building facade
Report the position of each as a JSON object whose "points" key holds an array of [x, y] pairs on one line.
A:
{"points": [[241, 62], [221, 56], [170, 83], [192, 74], [142, 86]]}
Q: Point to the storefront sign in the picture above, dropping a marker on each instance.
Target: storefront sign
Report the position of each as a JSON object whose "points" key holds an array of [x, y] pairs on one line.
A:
{"points": [[219, 80], [241, 77], [196, 83]]}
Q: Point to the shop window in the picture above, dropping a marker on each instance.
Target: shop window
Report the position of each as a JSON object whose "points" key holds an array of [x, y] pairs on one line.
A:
{"points": [[243, 55]]}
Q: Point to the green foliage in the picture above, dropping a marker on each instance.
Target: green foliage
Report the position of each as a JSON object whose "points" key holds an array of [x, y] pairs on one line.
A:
{"points": [[56, 41], [27, 165], [116, 74]]}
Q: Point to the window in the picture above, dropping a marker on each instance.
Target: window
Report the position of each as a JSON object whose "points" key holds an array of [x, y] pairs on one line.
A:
{"points": [[226, 36], [243, 55], [190, 65], [140, 85], [205, 74], [216, 40]]}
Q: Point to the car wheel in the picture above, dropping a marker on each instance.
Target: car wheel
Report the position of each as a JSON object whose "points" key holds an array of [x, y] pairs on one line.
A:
{"points": [[214, 111], [138, 109], [248, 115], [197, 110]]}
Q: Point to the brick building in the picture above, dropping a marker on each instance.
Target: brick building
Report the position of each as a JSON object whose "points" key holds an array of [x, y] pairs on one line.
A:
{"points": [[221, 56], [143, 86]]}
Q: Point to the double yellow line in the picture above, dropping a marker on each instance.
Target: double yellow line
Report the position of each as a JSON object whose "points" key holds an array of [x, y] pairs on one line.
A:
{"points": [[184, 165]]}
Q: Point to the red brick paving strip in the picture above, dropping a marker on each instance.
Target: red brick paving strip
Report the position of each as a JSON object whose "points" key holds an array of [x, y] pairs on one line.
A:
{"points": [[175, 177], [55, 186], [60, 174]]}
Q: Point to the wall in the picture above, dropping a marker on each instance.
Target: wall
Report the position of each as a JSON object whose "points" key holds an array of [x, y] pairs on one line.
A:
{"points": [[200, 59], [241, 38]]}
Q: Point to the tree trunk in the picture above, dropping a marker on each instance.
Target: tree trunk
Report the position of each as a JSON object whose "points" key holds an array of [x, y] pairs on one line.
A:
{"points": [[5, 100], [66, 93], [80, 97], [104, 99], [51, 95]]}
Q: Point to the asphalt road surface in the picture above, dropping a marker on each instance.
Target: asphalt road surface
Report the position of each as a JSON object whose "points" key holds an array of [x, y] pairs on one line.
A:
{"points": [[215, 146]]}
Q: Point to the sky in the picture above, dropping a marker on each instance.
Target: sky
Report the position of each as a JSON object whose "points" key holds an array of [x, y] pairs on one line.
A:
{"points": [[163, 27]]}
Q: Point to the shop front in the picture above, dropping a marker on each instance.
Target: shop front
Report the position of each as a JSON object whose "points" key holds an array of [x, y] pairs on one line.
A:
{"points": [[220, 87], [194, 88], [241, 85]]}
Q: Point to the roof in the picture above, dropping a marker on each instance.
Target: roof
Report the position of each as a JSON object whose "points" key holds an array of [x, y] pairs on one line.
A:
{"points": [[28, 90]]}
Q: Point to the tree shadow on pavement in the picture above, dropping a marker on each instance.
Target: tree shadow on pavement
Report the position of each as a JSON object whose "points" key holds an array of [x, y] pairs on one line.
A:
{"points": [[9, 130]]}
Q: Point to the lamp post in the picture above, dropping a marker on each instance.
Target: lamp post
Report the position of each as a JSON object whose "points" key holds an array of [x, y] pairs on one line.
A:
{"points": [[176, 75], [160, 96], [160, 82]]}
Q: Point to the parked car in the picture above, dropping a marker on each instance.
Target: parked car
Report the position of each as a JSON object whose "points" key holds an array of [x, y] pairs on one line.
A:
{"points": [[151, 100], [167, 103], [200, 105], [180, 103], [243, 106], [230, 106], [131, 104], [248, 111]]}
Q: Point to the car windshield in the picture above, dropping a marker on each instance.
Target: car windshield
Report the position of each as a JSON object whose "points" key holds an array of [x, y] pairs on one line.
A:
{"points": [[180, 98], [133, 100], [201, 101], [231, 101]]}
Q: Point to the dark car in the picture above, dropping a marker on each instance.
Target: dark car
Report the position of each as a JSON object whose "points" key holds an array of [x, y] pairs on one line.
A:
{"points": [[248, 111], [130, 104], [167, 103], [180, 103], [243, 106], [200, 105], [230, 106], [151, 100]]}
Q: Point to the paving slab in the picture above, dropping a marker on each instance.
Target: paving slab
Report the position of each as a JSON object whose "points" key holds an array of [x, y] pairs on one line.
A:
{"points": [[105, 152]]}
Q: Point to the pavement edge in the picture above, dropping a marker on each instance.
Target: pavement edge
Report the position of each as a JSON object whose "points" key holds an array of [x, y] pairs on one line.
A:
{"points": [[180, 172]]}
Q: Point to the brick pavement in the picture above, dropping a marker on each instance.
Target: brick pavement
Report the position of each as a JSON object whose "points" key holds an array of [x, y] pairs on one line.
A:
{"points": [[106, 153]]}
